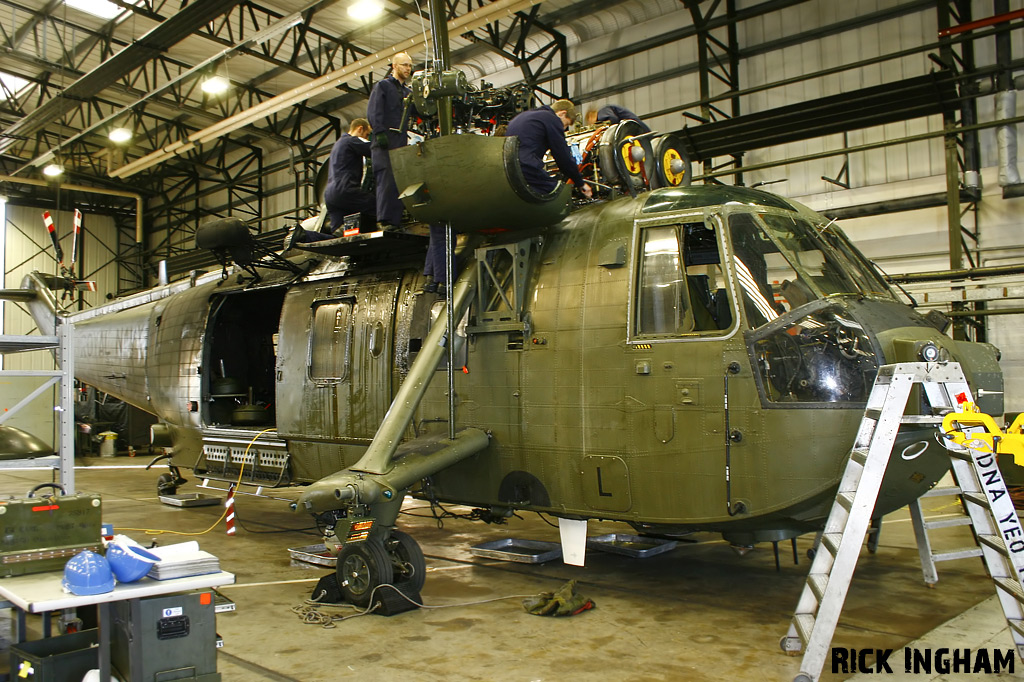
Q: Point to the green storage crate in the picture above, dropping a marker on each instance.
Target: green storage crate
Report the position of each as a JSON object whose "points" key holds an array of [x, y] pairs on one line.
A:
{"points": [[41, 533], [56, 659]]}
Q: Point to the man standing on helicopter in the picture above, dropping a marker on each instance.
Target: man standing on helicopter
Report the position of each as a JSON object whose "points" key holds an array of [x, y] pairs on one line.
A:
{"points": [[385, 114]]}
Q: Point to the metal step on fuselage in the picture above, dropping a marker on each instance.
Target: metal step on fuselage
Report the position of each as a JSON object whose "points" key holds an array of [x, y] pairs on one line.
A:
{"points": [[248, 456]]}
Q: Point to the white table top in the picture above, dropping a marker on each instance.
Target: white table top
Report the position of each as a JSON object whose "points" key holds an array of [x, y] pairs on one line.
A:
{"points": [[39, 592]]}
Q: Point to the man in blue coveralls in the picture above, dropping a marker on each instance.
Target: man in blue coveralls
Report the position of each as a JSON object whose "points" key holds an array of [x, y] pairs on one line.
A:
{"points": [[541, 130], [385, 114], [613, 113], [344, 194]]}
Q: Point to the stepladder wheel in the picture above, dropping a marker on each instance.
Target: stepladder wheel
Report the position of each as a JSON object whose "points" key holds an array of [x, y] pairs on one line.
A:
{"points": [[803, 677], [791, 646]]}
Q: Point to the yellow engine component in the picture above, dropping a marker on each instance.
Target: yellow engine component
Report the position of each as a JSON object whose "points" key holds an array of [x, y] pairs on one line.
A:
{"points": [[976, 430]]}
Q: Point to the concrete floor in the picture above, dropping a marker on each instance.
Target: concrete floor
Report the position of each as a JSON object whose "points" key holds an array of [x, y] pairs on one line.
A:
{"points": [[699, 612]]}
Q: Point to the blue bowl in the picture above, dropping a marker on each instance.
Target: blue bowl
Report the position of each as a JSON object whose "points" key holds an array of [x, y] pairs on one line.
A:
{"points": [[129, 563]]}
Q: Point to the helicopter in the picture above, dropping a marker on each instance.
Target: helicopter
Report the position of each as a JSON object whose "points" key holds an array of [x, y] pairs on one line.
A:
{"points": [[672, 356]]}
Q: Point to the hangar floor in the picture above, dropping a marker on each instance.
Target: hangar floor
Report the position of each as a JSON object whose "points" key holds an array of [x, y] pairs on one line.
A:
{"points": [[699, 612]]}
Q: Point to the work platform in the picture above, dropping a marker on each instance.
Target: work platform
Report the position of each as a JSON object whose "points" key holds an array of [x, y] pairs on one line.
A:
{"points": [[405, 241]]}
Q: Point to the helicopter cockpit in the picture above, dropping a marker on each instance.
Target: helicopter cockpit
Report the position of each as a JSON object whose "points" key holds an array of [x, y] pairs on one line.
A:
{"points": [[792, 276]]}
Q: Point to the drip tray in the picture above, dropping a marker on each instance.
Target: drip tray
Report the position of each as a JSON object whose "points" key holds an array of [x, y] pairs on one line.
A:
{"points": [[314, 554], [520, 551], [635, 546], [190, 500]]}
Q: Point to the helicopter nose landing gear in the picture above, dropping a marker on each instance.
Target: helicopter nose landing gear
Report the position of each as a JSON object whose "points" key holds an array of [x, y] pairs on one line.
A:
{"points": [[383, 574], [168, 483]]}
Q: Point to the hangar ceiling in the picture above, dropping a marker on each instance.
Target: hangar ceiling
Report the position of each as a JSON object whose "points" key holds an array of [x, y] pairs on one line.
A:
{"points": [[299, 71]]}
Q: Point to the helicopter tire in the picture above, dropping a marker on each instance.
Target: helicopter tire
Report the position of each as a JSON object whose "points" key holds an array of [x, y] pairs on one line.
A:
{"points": [[165, 485], [362, 567], [410, 568]]}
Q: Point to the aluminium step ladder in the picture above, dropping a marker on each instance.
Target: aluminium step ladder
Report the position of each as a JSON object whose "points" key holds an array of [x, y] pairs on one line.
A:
{"points": [[821, 602], [929, 557], [997, 528]]}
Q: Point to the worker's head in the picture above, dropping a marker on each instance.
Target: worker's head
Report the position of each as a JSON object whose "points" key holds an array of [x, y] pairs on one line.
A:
{"points": [[401, 66], [359, 127], [591, 117], [566, 111]]}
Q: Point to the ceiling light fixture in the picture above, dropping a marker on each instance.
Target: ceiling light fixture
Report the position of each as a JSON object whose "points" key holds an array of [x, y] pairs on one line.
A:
{"points": [[364, 10], [215, 85], [119, 135], [53, 170]]}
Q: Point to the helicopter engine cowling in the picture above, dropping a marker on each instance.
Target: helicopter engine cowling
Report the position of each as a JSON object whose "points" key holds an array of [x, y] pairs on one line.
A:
{"points": [[623, 156]]}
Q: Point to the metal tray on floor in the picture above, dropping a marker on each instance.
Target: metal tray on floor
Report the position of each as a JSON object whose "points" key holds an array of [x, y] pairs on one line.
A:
{"points": [[190, 500], [635, 546], [314, 554], [520, 551]]}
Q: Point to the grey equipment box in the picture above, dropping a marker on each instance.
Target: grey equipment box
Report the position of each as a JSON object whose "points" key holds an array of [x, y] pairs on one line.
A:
{"points": [[55, 659], [159, 639]]}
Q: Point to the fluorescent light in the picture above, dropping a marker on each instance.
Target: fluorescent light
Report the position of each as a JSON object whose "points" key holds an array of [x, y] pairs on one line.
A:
{"points": [[364, 10], [98, 8], [12, 82], [215, 85], [120, 135], [53, 170]]}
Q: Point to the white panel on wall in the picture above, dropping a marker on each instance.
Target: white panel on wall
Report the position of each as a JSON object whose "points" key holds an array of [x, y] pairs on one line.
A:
{"points": [[28, 249]]}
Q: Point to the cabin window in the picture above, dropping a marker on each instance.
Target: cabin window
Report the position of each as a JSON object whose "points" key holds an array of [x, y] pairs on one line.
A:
{"points": [[330, 341], [662, 306], [681, 287]]}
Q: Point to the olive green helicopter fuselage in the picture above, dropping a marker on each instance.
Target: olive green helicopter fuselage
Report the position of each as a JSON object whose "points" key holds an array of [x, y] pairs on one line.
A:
{"points": [[618, 362]]}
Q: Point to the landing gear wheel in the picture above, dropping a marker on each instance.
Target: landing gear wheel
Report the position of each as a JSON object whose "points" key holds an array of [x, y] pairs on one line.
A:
{"points": [[361, 568], [407, 558], [166, 484]]}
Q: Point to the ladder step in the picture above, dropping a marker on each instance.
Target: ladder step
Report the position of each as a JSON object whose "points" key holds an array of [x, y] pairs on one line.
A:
{"points": [[977, 499], [1012, 587], [956, 554], [831, 542], [859, 455], [872, 413], [920, 419], [941, 492], [818, 582], [845, 500], [994, 542], [948, 523], [804, 623], [1016, 625]]}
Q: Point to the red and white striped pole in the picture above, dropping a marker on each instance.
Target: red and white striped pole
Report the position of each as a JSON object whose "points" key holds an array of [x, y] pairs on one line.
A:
{"points": [[230, 504], [48, 221], [74, 239]]}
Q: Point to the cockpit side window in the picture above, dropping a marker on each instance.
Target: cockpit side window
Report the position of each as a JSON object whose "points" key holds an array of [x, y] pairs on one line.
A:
{"points": [[681, 288], [330, 345], [662, 300], [754, 255]]}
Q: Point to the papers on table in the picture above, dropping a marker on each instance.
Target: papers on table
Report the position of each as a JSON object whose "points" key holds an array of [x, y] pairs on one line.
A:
{"points": [[181, 560]]}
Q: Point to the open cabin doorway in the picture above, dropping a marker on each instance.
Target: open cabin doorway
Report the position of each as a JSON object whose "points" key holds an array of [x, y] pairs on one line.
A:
{"points": [[240, 357]]}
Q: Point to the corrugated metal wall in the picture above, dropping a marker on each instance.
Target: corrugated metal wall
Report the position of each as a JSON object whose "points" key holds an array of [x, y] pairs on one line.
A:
{"points": [[28, 248]]}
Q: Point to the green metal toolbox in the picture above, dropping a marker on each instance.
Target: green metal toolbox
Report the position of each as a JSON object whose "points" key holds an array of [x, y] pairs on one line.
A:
{"points": [[40, 532]]}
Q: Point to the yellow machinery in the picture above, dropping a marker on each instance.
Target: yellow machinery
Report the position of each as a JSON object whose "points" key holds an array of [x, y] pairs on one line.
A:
{"points": [[978, 431]]}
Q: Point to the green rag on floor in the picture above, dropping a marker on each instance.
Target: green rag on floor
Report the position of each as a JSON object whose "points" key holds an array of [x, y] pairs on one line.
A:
{"points": [[566, 601]]}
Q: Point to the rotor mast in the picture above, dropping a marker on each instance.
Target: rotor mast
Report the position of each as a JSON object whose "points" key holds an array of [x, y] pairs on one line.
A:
{"points": [[442, 62]]}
